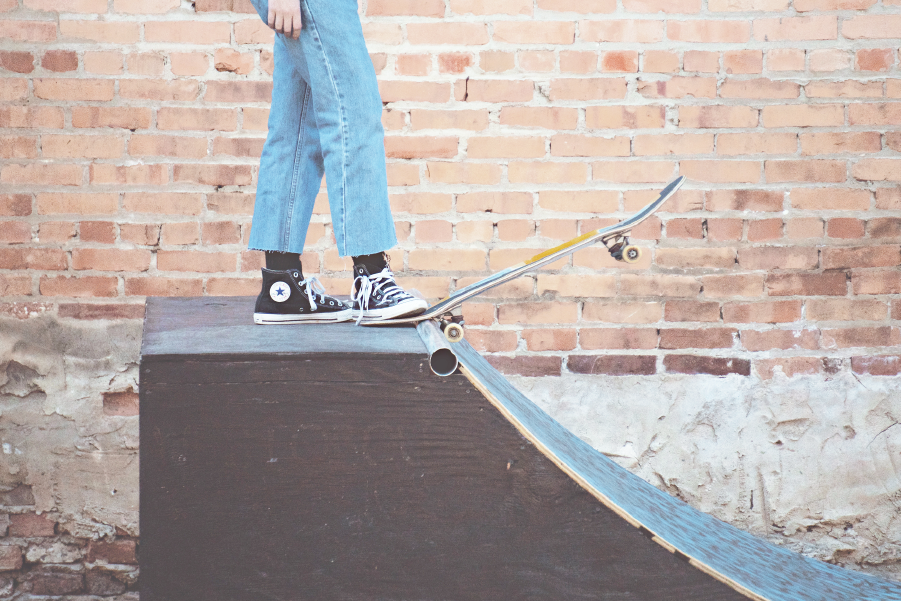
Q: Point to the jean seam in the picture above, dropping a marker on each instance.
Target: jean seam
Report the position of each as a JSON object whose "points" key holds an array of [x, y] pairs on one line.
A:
{"points": [[334, 82]]}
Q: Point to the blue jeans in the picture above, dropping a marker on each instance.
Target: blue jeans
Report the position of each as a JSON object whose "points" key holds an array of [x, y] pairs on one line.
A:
{"points": [[326, 116]]}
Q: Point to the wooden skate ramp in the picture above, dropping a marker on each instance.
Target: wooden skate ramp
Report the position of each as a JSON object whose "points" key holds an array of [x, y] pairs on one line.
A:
{"points": [[328, 463]]}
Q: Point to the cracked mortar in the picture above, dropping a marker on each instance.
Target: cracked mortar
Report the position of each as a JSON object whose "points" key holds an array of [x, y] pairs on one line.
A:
{"points": [[78, 463], [812, 463]]}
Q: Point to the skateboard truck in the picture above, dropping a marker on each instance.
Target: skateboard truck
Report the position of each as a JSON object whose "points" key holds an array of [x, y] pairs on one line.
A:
{"points": [[621, 250], [452, 326]]}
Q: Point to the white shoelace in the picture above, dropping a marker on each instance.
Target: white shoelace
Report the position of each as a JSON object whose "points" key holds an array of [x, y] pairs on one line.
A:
{"points": [[314, 288], [382, 283]]}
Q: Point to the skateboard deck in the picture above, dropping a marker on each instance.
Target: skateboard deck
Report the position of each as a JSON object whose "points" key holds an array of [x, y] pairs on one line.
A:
{"points": [[614, 237]]}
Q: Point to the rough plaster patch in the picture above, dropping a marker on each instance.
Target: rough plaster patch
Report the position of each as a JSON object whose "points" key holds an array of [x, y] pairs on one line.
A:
{"points": [[78, 462], [808, 462]]}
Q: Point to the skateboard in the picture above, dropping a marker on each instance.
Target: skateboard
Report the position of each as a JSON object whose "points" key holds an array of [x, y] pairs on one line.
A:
{"points": [[614, 237]]}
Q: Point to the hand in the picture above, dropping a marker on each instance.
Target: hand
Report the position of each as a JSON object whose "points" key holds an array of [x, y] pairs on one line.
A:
{"points": [[284, 17]]}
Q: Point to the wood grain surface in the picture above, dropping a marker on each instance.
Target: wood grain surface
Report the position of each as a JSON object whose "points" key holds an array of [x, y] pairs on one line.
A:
{"points": [[279, 477]]}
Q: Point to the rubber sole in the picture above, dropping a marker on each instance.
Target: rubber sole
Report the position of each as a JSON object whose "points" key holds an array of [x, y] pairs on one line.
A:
{"points": [[281, 319], [410, 308]]}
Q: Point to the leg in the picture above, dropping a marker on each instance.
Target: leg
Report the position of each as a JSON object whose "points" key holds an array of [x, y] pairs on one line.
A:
{"points": [[291, 165], [348, 114]]}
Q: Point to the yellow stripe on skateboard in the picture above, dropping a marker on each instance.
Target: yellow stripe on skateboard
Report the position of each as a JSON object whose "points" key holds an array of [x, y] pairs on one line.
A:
{"points": [[563, 246]]}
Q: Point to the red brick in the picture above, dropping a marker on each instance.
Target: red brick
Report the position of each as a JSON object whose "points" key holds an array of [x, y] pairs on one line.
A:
{"points": [[708, 338], [111, 259], [459, 33], [28, 31], [613, 365], [162, 90], [860, 337], [49, 259], [454, 62], [726, 286], [863, 256], [31, 524], [843, 89], [213, 175], [121, 403], [709, 31], [845, 309], [877, 365], [823, 27], [86, 286], [101, 311], [534, 366], [15, 232], [759, 88], [74, 89], [765, 312], [876, 170], [716, 366], [721, 230], [556, 339], [845, 228], [534, 32], [116, 552], [15, 285], [32, 116], [617, 338], [743, 61], [884, 227], [488, 90], [629, 30], [536, 116], [574, 145], [807, 284], [803, 115], [10, 557], [573, 88], [761, 230], [659, 285], [19, 62], [691, 311], [419, 8], [199, 119], [836, 142], [830, 199], [492, 341], [163, 203], [874, 113], [197, 261], [619, 312], [717, 116], [695, 258], [238, 91], [789, 366], [766, 340], [679, 87], [480, 7], [421, 202], [805, 171], [876, 282], [624, 117], [871, 26]]}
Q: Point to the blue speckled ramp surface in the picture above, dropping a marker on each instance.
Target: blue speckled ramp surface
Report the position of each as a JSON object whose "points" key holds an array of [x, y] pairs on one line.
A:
{"points": [[749, 564]]}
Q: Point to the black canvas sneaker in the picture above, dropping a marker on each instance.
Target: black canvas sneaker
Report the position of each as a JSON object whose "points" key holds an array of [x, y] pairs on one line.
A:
{"points": [[377, 296], [286, 298]]}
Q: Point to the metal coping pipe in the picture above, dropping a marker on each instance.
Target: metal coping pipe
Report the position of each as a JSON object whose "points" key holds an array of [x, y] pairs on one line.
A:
{"points": [[442, 359]]}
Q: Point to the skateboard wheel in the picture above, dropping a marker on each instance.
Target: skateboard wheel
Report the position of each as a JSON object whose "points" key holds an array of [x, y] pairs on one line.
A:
{"points": [[631, 254], [453, 332]]}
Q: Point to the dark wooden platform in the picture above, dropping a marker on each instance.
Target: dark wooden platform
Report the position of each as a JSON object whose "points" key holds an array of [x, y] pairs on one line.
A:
{"points": [[326, 462]]}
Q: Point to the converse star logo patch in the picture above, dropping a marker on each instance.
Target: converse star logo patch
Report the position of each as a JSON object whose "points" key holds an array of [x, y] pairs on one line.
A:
{"points": [[280, 292]]}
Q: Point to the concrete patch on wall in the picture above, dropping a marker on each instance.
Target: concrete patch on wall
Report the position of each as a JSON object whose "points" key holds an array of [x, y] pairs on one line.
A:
{"points": [[811, 463], [61, 452]]}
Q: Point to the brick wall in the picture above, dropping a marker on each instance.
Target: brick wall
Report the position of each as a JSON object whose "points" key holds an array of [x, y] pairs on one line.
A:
{"points": [[131, 131]]}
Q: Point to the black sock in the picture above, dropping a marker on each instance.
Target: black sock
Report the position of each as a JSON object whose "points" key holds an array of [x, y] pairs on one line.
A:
{"points": [[374, 263], [279, 261]]}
